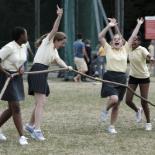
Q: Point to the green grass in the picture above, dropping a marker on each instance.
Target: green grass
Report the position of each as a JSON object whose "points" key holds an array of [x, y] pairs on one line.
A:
{"points": [[72, 127]]}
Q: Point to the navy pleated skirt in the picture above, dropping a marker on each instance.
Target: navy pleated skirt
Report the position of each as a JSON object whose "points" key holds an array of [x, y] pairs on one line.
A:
{"points": [[112, 89], [37, 83], [15, 89]]}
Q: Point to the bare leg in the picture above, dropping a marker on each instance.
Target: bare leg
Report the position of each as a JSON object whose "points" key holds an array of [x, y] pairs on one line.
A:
{"points": [[77, 78], [5, 116], [32, 119], [40, 102], [144, 88], [114, 113], [16, 114], [114, 104], [111, 102], [129, 97]]}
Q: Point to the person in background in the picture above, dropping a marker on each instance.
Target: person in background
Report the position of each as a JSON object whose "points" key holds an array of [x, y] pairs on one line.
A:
{"points": [[88, 51], [151, 49], [102, 61], [89, 54], [79, 53]]}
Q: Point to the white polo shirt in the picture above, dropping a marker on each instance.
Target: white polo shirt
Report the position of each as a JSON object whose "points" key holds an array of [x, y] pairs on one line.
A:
{"points": [[13, 56], [46, 53], [138, 66]]}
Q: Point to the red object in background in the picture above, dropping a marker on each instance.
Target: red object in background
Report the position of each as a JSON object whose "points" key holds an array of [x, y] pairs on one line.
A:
{"points": [[150, 27]]}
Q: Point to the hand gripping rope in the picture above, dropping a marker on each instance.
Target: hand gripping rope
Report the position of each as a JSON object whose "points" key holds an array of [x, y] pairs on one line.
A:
{"points": [[34, 72]]}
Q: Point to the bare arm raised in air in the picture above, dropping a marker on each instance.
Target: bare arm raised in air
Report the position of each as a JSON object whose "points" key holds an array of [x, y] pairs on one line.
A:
{"points": [[57, 23], [102, 34], [136, 30]]}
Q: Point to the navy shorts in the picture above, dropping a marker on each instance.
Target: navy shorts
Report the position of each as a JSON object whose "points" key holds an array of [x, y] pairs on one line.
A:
{"points": [[133, 80]]}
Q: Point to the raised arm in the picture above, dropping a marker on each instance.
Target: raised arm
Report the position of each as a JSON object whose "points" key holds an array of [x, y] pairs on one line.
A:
{"points": [[117, 30], [136, 30], [57, 23], [102, 34]]}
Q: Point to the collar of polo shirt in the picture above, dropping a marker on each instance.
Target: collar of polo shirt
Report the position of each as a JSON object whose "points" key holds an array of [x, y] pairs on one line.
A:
{"points": [[17, 45]]}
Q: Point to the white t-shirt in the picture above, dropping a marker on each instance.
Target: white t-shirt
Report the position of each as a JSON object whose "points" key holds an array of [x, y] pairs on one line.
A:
{"points": [[138, 66], [13, 56], [46, 53]]}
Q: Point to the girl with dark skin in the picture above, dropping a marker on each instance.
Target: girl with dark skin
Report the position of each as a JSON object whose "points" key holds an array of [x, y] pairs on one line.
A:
{"points": [[13, 56]]}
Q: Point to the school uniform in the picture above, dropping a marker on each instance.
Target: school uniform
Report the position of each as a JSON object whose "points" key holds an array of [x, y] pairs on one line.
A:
{"points": [[46, 54], [116, 70], [12, 57], [139, 72]]}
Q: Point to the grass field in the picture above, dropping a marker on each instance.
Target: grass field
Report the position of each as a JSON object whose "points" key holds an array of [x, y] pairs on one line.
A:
{"points": [[72, 127]]}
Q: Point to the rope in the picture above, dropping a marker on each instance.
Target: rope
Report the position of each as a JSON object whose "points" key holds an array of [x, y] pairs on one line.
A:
{"points": [[4, 87], [34, 72], [115, 83], [65, 69], [43, 71]]}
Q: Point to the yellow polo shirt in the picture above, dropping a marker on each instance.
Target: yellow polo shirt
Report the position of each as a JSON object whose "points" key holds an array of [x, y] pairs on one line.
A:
{"points": [[116, 59], [138, 66], [101, 52]]}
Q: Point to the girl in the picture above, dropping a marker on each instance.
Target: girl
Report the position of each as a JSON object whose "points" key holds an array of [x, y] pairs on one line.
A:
{"points": [[116, 55], [139, 76], [38, 86], [12, 58]]}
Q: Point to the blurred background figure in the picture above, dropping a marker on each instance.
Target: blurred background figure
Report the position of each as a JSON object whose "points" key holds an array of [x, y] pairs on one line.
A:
{"points": [[101, 61], [79, 54], [88, 50], [151, 49], [89, 54]]}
